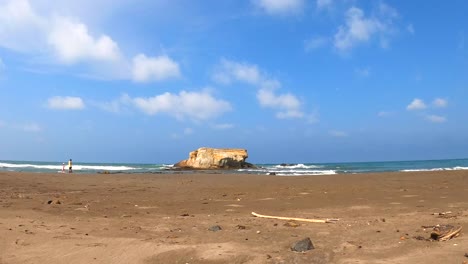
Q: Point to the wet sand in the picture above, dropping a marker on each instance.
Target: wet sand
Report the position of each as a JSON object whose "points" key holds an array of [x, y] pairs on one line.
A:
{"points": [[80, 218]]}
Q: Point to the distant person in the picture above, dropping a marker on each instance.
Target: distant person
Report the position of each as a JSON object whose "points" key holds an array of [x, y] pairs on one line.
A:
{"points": [[70, 165], [63, 167]]}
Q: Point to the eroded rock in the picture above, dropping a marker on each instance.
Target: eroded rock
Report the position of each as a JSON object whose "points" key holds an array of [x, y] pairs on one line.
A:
{"points": [[211, 158]]}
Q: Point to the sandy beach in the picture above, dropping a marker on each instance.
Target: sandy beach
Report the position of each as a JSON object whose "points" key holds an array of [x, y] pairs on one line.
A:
{"points": [[146, 218]]}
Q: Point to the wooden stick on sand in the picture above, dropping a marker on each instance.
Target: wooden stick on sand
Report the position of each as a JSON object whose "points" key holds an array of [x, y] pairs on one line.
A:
{"points": [[296, 219]]}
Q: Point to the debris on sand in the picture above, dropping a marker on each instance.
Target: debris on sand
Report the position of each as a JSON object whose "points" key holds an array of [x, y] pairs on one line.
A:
{"points": [[445, 232], [296, 219], [291, 224], [54, 201], [302, 245]]}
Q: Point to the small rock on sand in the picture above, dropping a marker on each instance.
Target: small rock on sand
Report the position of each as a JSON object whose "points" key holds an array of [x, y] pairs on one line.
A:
{"points": [[302, 245], [215, 228]]}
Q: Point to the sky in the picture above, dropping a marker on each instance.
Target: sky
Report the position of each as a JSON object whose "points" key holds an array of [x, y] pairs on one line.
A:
{"points": [[149, 81]]}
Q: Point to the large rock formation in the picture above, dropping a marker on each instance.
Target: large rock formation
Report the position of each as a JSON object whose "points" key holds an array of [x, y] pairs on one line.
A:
{"points": [[211, 158]]}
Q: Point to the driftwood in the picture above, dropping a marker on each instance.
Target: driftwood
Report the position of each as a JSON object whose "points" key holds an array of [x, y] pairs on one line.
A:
{"points": [[445, 232], [296, 219]]}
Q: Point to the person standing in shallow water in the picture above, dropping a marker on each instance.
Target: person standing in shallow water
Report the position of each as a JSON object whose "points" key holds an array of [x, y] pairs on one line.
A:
{"points": [[70, 164]]}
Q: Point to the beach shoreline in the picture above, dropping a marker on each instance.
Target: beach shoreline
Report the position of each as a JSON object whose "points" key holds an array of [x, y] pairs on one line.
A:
{"points": [[164, 218]]}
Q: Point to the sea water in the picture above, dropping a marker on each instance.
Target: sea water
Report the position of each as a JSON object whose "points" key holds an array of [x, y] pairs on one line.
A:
{"points": [[296, 169]]}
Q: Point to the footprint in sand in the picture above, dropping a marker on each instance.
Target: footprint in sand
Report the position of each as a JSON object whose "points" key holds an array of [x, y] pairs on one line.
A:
{"points": [[409, 195], [266, 199], [234, 205], [359, 207]]}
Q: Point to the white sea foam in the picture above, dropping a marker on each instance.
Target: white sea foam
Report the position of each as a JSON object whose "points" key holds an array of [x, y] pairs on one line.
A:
{"points": [[102, 168], [75, 167], [289, 172], [47, 167], [437, 169], [297, 166], [305, 172]]}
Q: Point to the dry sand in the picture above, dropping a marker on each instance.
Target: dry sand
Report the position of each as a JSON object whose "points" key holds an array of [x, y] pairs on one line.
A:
{"points": [[165, 218]]}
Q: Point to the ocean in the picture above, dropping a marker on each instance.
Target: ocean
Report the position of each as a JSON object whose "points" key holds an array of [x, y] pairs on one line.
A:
{"points": [[296, 169]]}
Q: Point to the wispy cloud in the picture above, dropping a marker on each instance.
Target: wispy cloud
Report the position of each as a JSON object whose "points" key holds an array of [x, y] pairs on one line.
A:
{"points": [[384, 114], [363, 72], [360, 28], [410, 29], [322, 4], [440, 103], [65, 103], [337, 133], [30, 127], [280, 7], [315, 43], [2, 66], [436, 118], [416, 104], [223, 126]]}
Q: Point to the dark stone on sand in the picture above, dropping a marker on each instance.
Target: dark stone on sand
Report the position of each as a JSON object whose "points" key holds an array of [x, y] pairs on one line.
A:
{"points": [[466, 255], [272, 173], [215, 228], [302, 245]]}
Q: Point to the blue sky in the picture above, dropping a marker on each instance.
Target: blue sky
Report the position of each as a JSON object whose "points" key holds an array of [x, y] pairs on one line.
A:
{"points": [[289, 80]]}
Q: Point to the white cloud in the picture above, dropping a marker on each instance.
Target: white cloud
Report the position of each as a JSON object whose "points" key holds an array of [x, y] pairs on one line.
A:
{"points": [[336, 133], [21, 29], [51, 33], [72, 42], [322, 4], [315, 43], [287, 105], [360, 29], [416, 104], [280, 7], [188, 131], [65, 103], [440, 103], [230, 71], [197, 106], [436, 118], [154, 68]]}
